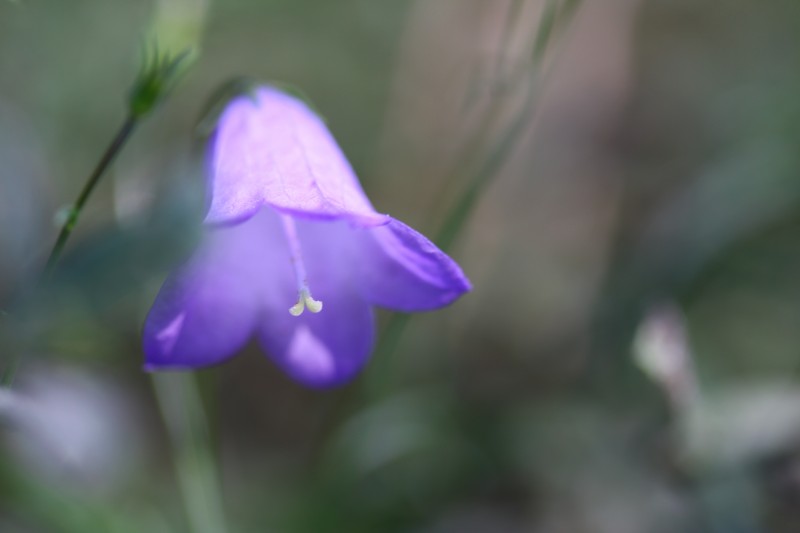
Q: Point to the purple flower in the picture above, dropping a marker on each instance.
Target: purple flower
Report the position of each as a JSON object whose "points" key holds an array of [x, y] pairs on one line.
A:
{"points": [[288, 220]]}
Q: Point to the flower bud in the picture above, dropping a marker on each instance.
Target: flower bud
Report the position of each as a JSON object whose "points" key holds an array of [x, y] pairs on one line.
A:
{"points": [[173, 46]]}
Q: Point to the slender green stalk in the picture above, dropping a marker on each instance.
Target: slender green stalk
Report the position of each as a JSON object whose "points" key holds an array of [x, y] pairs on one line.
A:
{"points": [[107, 158], [471, 153], [507, 34], [110, 153], [544, 32], [182, 411], [456, 218], [460, 212], [487, 168], [177, 395]]}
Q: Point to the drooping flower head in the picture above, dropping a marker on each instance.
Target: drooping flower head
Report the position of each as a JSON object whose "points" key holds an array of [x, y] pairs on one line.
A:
{"points": [[294, 254]]}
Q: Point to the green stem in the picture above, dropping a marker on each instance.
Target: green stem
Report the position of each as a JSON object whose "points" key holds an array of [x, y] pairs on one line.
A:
{"points": [[119, 140], [183, 414], [458, 215], [108, 157], [177, 395], [453, 224], [513, 16]]}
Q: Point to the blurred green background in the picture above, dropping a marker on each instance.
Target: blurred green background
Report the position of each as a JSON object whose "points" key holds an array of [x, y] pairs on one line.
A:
{"points": [[627, 362]]}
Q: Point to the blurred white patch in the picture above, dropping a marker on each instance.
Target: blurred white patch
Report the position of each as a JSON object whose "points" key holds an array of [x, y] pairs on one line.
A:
{"points": [[134, 193], [740, 423], [71, 427], [661, 349], [720, 426]]}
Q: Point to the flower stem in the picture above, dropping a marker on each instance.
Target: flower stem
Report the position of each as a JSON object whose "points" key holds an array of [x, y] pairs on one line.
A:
{"points": [[198, 480], [454, 222], [107, 158], [486, 167], [111, 152]]}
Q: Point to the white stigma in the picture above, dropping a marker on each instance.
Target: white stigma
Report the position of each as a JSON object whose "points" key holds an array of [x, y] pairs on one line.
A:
{"points": [[304, 298], [305, 301]]}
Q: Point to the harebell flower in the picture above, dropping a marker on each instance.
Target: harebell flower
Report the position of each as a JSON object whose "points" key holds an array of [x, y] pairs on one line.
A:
{"points": [[294, 254]]}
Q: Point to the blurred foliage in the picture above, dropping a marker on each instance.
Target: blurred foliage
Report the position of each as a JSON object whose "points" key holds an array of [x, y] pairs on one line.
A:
{"points": [[659, 167]]}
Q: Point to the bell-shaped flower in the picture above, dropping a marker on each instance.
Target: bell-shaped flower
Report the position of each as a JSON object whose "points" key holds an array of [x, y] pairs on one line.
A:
{"points": [[294, 254]]}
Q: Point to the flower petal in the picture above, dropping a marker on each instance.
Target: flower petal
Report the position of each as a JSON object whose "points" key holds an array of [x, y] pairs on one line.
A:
{"points": [[330, 347], [400, 269], [208, 309], [277, 151]]}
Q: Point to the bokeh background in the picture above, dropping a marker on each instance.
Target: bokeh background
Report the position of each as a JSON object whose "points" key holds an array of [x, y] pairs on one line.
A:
{"points": [[627, 362]]}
